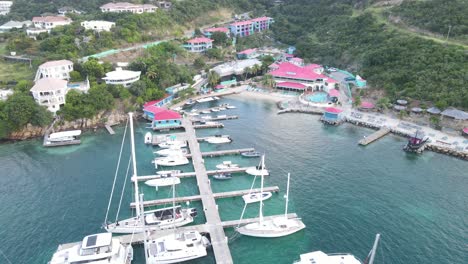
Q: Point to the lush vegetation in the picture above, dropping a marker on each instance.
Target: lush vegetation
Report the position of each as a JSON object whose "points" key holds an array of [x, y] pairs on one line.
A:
{"points": [[436, 16], [330, 33]]}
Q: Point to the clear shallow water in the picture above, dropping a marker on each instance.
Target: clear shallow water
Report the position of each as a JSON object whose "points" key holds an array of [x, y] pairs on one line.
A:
{"points": [[344, 193]]}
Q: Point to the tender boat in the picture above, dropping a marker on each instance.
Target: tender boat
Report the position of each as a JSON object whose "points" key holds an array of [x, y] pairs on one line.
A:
{"points": [[218, 139], [163, 218], [176, 160], [189, 103], [206, 99], [148, 138], [222, 108], [161, 182], [318, 257], [173, 143], [166, 173], [251, 154], [222, 176], [206, 112], [172, 151], [206, 117], [221, 116], [256, 197], [193, 114], [98, 249], [215, 109], [216, 98], [276, 227], [175, 248], [230, 107], [227, 165]]}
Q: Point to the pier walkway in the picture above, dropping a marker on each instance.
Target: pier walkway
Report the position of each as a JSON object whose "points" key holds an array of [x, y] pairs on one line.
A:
{"points": [[219, 240], [199, 197], [192, 174], [223, 152], [375, 136], [109, 129]]}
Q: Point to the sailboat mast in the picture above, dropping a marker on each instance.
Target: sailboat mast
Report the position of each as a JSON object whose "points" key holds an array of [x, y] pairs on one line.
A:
{"points": [[173, 201], [374, 249], [261, 189], [132, 141], [287, 198]]}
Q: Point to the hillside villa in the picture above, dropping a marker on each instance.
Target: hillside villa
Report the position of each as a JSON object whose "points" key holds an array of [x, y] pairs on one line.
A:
{"points": [[250, 27], [161, 118], [123, 77], [198, 44], [5, 7], [50, 92], [97, 25], [14, 24], [209, 31], [46, 23], [59, 69], [120, 7]]}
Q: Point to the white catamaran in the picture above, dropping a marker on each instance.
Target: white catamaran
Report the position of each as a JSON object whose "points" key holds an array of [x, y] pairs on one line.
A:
{"points": [[158, 219], [95, 249], [318, 257], [276, 227]]}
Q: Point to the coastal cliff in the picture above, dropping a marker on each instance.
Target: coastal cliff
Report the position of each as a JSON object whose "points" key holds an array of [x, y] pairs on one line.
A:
{"points": [[112, 117]]}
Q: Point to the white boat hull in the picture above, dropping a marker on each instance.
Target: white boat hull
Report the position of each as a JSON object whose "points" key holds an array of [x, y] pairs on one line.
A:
{"points": [[257, 172], [169, 162], [256, 197], [219, 140], [162, 182], [168, 152], [269, 229], [148, 138]]}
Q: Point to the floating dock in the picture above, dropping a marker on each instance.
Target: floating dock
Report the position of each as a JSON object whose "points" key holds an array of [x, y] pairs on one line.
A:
{"points": [[223, 152], [375, 136], [109, 129], [216, 118], [193, 174], [199, 197], [215, 125]]}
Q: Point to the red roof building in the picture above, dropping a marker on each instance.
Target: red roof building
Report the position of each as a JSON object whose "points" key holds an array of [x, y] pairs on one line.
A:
{"points": [[333, 93], [162, 117], [291, 85]]}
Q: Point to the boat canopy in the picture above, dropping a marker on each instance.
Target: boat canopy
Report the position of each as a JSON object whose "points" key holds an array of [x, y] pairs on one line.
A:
{"points": [[97, 240], [72, 133]]}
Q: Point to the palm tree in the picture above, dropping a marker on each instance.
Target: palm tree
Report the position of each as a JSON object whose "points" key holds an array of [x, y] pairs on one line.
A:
{"points": [[268, 80], [247, 71], [213, 78], [256, 69], [151, 74]]}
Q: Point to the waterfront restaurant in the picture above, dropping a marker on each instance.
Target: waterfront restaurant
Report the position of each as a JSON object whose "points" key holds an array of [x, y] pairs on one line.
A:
{"points": [[332, 115], [162, 118]]}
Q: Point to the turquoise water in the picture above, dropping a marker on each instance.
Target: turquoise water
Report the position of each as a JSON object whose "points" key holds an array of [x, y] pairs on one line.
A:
{"points": [[344, 193], [317, 97]]}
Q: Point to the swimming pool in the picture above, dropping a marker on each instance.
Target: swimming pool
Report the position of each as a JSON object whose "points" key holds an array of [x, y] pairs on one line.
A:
{"points": [[318, 97]]}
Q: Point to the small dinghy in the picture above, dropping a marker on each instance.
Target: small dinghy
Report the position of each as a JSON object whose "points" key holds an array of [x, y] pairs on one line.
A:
{"points": [[251, 154], [148, 138], [222, 176]]}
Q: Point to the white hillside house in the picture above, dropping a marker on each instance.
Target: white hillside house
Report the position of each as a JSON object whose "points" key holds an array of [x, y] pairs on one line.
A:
{"points": [[5, 7], [122, 77], [46, 23], [97, 25], [50, 92], [120, 7], [59, 69]]}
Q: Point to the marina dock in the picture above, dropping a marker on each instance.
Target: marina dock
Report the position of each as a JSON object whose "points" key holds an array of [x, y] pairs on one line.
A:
{"points": [[223, 152], [216, 118], [375, 136], [214, 125], [199, 197], [219, 240]]}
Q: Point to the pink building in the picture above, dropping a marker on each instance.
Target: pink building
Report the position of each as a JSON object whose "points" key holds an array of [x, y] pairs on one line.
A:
{"points": [[249, 27], [198, 44]]}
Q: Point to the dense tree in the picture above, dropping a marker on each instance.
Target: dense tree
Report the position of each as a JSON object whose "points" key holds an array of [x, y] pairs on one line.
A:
{"points": [[220, 38], [21, 109], [213, 78], [93, 69]]}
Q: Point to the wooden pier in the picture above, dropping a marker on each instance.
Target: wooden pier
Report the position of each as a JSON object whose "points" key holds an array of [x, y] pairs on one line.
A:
{"points": [[192, 174], [199, 197], [375, 136], [109, 129]]}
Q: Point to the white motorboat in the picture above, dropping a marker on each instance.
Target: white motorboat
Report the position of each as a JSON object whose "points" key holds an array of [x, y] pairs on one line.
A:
{"points": [[222, 176], [251, 154], [216, 98], [193, 114], [257, 171], [98, 249], [276, 227], [230, 107], [206, 117], [206, 112], [206, 99], [162, 218], [159, 219], [161, 182], [319, 257], [173, 143], [222, 108], [175, 150], [64, 136], [148, 138], [175, 160], [227, 165], [218, 139], [175, 248], [215, 109], [256, 197]]}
